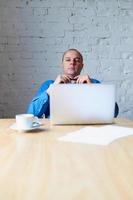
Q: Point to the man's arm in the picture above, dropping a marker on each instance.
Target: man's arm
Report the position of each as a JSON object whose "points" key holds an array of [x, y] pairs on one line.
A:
{"points": [[40, 102]]}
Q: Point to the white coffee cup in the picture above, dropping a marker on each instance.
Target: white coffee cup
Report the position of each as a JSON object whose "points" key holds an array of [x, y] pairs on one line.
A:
{"points": [[26, 121]]}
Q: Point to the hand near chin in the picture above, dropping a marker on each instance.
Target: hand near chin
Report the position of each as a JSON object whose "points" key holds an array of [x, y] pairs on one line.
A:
{"points": [[82, 79], [62, 79], [77, 79]]}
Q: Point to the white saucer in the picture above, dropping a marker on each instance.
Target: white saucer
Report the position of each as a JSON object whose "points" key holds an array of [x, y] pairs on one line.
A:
{"points": [[14, 127]]}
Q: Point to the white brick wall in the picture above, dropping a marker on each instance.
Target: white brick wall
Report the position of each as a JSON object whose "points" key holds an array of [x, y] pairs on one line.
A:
{"points": [[34, 34]]}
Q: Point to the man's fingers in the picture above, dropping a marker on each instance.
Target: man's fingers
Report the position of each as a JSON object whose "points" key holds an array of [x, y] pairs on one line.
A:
{"points": [[65, 79]]}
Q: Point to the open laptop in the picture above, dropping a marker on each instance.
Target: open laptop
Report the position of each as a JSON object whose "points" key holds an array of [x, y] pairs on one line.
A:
{"points": [[82, 103]]}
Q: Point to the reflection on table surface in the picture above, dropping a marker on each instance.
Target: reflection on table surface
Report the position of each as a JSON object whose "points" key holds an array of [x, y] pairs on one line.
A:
{"points": [[37, 166]]}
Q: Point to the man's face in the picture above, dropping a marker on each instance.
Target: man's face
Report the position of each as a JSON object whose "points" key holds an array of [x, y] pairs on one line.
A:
{"points": [[72, 63]]}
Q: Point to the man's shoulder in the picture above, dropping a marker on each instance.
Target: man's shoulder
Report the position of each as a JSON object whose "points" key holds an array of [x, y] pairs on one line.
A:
{"points": [[45, 85]]}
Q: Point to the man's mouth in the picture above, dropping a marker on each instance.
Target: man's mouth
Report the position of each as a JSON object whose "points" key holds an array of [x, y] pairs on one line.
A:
{"points": [[71, 68]]}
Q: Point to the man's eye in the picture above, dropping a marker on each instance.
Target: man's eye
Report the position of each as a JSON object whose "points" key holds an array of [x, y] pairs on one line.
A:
{"points": [[67, 60], [77, 60]]}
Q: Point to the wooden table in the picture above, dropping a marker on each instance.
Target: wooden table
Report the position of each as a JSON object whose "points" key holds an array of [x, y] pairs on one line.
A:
{"points": [[37, 166]]}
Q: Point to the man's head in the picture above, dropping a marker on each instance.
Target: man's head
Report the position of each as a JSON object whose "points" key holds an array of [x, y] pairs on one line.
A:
{"points": [[72, 62]]}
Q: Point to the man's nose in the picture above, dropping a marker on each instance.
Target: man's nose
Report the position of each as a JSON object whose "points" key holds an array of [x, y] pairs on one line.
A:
{"points": [[72, 61]]}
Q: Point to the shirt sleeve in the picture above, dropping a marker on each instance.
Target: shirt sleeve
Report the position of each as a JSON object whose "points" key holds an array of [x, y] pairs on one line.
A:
{"points": [[40, 102]]}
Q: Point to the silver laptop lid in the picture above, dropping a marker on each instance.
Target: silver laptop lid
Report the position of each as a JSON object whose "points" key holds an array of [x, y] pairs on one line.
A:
{"points": [[82, 103]]}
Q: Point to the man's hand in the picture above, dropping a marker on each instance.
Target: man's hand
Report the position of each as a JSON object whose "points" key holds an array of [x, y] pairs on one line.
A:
{"points": [[82, 79], [62, 79], [77, 79]]}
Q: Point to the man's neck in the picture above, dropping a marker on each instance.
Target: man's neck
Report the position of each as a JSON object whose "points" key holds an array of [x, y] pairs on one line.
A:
{"points": [[72, 77]]}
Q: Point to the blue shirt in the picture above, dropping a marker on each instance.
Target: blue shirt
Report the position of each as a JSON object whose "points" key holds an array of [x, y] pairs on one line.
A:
{"points": [[40, 102]]}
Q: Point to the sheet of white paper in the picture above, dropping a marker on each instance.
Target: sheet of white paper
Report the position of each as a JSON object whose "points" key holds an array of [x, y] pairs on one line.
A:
{"points": [[102, 135]]}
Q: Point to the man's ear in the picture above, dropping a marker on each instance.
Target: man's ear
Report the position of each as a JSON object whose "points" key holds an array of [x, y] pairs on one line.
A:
{"points": [[61, 64], [82, 66]]}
